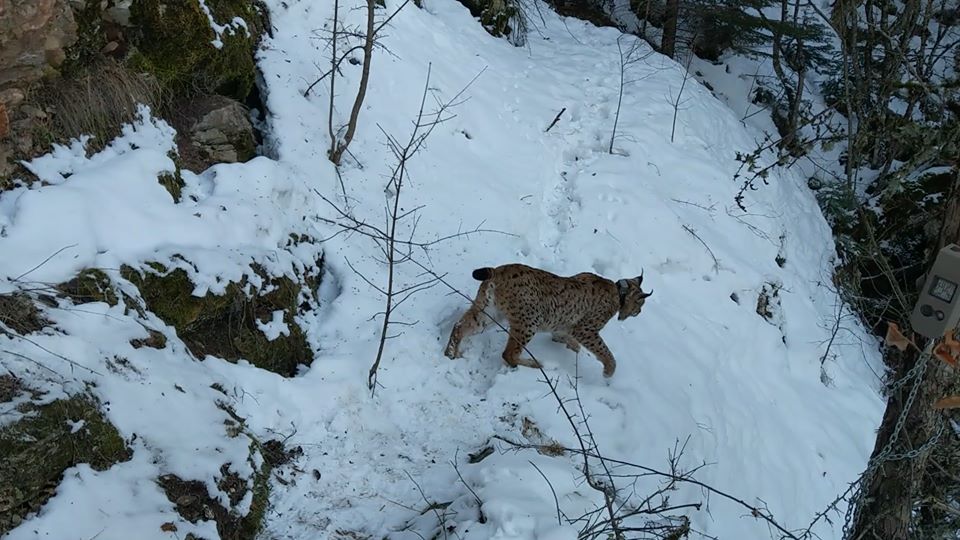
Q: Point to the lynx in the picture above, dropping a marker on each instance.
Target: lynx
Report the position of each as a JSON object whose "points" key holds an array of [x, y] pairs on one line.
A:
{"points": [[574, 309]]}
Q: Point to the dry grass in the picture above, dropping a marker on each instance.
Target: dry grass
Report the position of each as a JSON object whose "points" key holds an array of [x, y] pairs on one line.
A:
{"points": [[97, 103], [20, 314]]}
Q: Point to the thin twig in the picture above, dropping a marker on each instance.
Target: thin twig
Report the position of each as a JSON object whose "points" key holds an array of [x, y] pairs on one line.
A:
{"points": [[716, 264], [43, 262], [754, 511], [556, 501], [555, 120]]}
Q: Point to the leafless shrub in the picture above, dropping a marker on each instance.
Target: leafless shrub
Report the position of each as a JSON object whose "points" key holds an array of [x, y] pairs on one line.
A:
{"points": [[368, 41], [629, 56], [393, 249]]}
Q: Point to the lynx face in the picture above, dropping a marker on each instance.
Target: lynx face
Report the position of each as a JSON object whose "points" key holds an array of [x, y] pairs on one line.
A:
{"points": [[573, 308], [632, 296]]}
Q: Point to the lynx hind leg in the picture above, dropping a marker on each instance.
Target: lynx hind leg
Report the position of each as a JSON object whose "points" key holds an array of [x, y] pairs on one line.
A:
{"points": [[594, 343], [520, 336], [472, 322], [566, 339]]}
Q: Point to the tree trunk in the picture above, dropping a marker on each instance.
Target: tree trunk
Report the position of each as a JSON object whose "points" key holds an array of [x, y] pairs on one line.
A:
{"points": [[668, 43], [890, 495], [368, 42]]}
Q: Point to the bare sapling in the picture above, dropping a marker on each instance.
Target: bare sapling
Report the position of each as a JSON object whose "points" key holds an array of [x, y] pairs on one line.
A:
{"points": [[368, 41], [396, 241], [629, 56], [676, 102]]}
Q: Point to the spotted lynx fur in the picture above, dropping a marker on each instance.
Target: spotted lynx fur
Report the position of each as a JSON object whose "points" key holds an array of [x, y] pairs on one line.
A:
{"points": [[574, 309]]}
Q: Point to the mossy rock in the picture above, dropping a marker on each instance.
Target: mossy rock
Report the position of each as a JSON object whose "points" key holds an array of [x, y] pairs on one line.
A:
{"points": [[91, 39], [225, 325], [35, 451], [173, 182], [90, 285], [500, 18], [212, 129], [252, 523], [195, 504], [173, 42]]}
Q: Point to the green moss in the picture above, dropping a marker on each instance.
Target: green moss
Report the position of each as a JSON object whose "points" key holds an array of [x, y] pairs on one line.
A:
{"points": [[173, 183], [90, 285], [225, 325], [90, 39], [194, 503], [170, 296], [252, 523], [174, 44], [35, 452], [245, 145]]}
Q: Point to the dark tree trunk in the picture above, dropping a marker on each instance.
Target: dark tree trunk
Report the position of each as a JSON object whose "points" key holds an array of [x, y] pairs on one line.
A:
{"points": [[668, 43], [890, 495]]}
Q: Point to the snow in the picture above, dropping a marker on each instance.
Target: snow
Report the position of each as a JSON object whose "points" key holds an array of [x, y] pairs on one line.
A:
{"points": [[275, 327], [219, 29], [747, 394]]}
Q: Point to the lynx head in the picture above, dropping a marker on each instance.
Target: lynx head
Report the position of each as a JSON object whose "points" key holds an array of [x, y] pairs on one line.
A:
{"points": [[632, 296]]}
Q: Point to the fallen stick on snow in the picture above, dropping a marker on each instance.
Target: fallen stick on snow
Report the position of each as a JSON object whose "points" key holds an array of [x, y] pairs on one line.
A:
{"points": [[555, 120]]}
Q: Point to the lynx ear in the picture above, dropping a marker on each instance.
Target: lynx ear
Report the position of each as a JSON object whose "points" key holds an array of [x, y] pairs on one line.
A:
{"points": [[623, 285], [645, 295], [639, 279]]}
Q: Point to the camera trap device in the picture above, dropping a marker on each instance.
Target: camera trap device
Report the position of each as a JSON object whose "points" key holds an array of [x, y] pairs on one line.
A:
{"points": [[938, 307]]}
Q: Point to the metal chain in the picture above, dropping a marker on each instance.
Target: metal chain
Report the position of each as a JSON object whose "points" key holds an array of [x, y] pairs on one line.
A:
{"points": [[931, 442], [886, 454]]}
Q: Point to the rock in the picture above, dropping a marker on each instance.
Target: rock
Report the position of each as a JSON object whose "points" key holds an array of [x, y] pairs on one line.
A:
{"points": [[90, 285], [194, 503], [213, 129], [34, 34], [35, 451], [11, 97], [500, 18], [118, 13], [226, 325], [186, 500]]}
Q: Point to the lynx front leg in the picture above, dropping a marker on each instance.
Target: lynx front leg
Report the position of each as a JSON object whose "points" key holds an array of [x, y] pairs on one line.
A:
{"points": [[566, 339], [472, 322], [520, 336], [594, 343]]}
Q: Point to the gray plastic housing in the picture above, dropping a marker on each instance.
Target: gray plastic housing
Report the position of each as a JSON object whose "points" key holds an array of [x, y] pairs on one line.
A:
{"points": [[938, 307]]}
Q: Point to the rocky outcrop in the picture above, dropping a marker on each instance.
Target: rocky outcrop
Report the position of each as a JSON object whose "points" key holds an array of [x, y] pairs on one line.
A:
{"points": [[213, 129], [118, 53], [35, 451], [246, 322], [35, 35], [186, 55], [500, 18]]}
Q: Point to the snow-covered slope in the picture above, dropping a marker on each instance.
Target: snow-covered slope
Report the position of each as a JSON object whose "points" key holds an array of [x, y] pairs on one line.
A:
{"points": [[782, 409]]}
